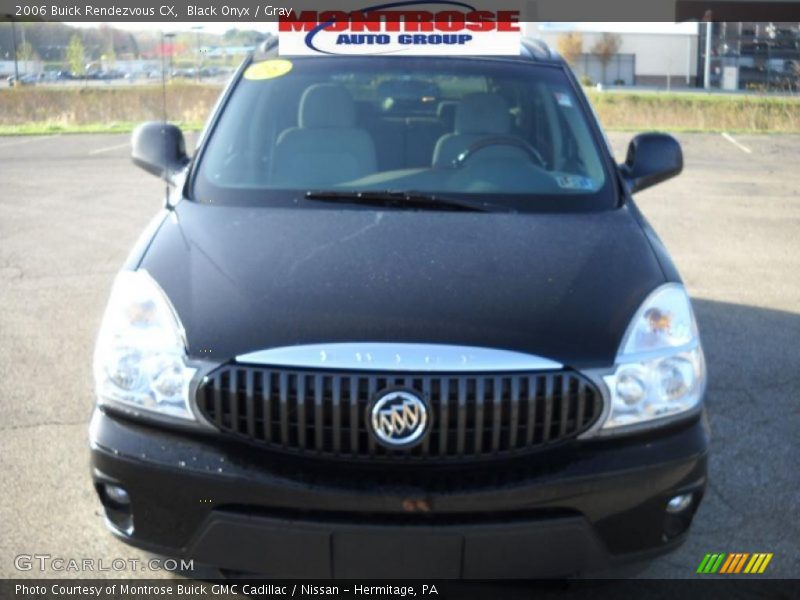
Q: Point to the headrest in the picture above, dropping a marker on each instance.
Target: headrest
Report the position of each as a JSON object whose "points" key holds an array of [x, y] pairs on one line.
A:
{"points": [[483, 113], [327, 106], [447, 112]]}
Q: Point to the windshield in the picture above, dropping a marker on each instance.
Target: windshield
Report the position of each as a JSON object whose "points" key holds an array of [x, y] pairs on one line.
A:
{"points": [[496, 131]]}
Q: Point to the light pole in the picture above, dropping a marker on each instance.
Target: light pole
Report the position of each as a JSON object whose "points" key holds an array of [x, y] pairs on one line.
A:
{"points": [[169, 36], [14, 38], [707, 64], [197, 29]]}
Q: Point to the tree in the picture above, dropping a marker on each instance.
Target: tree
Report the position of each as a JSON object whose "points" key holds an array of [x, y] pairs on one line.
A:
{"points": [[25, 52], [76, 55], [570, 46], [605, 48], [109, 54], [109, 57], [133, 45]]}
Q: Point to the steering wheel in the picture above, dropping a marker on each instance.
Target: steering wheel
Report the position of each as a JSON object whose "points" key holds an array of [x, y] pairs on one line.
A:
{"points": [[500, 140]]}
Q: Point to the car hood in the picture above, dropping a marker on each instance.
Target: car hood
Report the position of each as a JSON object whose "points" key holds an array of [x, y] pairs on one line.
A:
{"points": [[561, 286]]}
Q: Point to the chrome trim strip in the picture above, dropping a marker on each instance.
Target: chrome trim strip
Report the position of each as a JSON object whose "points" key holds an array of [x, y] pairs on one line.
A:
{"points": [[596, 376], [649, 355], [202, 369], [369, 356]]}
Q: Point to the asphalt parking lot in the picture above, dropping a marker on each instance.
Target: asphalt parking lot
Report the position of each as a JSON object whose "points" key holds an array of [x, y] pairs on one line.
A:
{"points": [[72, 206]]}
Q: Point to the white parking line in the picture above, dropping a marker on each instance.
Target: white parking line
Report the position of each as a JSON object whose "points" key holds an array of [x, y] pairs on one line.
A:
{"points": [[28, 139], [740, 146], [109, 148]]}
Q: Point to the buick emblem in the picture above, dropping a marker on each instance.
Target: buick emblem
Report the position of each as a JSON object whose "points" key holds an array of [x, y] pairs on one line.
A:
{"points": [[399, 418]]}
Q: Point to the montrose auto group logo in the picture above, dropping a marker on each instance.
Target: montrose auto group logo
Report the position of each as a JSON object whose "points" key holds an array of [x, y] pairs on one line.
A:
{"points": [[415, 27]]}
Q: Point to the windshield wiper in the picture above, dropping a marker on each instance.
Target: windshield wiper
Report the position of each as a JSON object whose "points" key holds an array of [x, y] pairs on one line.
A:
{"points": [[393, 199]]}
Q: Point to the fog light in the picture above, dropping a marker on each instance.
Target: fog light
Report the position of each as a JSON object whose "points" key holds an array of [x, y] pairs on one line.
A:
{"points": [[117, 495], [679, 503]]}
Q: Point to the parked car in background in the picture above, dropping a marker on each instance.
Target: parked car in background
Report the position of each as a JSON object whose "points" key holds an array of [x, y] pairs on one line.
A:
{"points": [[26, 79]]}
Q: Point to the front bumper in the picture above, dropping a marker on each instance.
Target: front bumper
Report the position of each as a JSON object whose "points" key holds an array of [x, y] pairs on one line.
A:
{"points": [[584, 508]]}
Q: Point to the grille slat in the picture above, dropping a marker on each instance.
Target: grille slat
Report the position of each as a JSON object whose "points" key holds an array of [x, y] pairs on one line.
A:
{"points": [[217, 399], [531, 428], [336, 396], [372, 387], [353, 414], [250, 402], [444, 415], [233, 400], [300, 403], [480, 396], [581, 405], [564, 414], [325, 413], [426, 393], [266, 402], [512, 435], [548, 408], [318, 423], [497, 414], [284, 404], [461, 431]]}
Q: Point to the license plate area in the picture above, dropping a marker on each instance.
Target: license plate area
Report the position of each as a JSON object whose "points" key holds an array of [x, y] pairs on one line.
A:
{"points": [[397, 554]]}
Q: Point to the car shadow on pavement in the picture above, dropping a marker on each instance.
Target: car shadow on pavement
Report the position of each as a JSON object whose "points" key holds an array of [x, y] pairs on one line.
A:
{"points": [[753, 359]]}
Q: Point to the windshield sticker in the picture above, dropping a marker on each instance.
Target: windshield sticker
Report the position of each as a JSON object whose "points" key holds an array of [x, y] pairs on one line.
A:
{"points": [[563, 99], [269, 69], [574, 182]]}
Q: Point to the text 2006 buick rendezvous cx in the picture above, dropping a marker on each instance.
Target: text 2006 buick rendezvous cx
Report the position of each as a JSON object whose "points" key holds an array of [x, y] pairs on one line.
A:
{"points": [[401, 317]]}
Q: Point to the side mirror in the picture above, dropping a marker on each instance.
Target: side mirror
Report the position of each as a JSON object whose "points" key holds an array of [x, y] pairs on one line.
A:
{"points": [[652, 158], [159, 148]]}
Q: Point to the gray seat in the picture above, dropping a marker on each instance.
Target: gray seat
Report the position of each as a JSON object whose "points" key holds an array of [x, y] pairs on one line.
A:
{"points": [[447, 114], [326, 148], [478, 115]]}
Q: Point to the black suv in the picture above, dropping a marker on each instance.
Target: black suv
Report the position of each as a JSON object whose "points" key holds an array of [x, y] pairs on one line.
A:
{"points": [[401, 317]]}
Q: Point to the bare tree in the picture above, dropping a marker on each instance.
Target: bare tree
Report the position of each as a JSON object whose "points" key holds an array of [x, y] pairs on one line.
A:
{"points": [[605, 48], [570, 46]]}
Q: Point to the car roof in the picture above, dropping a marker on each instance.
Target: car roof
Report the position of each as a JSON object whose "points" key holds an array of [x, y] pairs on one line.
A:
{"points": [[531, 50]]}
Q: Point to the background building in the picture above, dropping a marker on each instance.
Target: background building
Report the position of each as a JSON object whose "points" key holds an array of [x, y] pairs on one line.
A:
{"points": [[743, 56], [647, 54], [752, 56]]}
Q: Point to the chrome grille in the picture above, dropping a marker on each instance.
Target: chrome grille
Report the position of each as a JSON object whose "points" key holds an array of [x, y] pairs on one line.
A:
{"points": [[324, 413]]}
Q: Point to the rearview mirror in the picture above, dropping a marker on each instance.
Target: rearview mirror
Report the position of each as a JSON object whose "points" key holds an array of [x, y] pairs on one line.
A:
{"points": [[652, 158], [159, 148]]}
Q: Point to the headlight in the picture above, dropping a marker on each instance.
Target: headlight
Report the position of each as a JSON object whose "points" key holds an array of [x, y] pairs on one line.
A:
{"points": [[660, 370], [140, 356]]}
